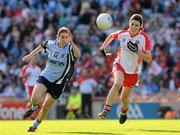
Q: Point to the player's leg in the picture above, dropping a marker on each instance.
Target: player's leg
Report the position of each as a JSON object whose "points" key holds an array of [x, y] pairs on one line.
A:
{"points": [[83, 104], [126, 91], [48, 102], [45, 107], [38, 92], [89, 106], [77, 113], [29, 90], [28, 96], [113, 93], [129, 82]]}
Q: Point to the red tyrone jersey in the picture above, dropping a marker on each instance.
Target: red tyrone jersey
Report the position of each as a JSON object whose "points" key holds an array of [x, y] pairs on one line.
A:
{"points": [[33, 72], [129, 60]]}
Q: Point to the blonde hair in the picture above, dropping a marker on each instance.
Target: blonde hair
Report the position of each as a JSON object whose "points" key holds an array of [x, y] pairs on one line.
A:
{"points": [[63, 30]]}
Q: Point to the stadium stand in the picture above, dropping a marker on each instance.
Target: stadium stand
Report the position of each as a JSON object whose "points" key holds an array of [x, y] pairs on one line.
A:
{"points": [[25, 24]]}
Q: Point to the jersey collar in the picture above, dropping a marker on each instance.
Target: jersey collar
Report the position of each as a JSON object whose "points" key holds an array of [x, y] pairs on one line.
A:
{"points": [[133, 35]]}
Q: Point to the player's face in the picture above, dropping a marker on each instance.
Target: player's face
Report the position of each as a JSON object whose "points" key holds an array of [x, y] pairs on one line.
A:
{"points": [[63, 38], [134, 27]]}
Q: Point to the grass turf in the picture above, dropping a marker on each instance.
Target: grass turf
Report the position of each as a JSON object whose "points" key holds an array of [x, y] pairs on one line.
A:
{"points": [[93, 127]]}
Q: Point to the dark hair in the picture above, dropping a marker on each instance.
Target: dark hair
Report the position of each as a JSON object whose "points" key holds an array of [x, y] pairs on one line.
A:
{"points": [[138, 18]]}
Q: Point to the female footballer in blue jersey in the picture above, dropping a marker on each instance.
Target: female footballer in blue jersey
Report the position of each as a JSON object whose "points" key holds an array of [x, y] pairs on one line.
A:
{"points": [[62, 53]]}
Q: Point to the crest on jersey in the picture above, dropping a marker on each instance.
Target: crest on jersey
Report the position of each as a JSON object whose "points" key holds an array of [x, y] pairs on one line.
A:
{"points": [[124, 39], [62, 55], [137, 42], [56, 54]]}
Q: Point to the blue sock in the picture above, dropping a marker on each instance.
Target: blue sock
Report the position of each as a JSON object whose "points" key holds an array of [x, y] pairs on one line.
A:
{"points": [[36, 123]]}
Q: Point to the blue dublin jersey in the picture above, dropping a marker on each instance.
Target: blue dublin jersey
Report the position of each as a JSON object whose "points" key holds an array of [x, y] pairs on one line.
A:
{"points": [[60, 63]]}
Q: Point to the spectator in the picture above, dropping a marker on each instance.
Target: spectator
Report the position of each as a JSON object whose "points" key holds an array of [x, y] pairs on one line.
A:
{"points": [[32, 21], [87, 87], [29, 74], [74, 104]]}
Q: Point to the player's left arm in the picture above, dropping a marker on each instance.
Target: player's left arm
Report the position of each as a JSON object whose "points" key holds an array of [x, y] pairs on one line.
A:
{"points": [[146, 56], [107, 42], [75, 49], [26, 74]]}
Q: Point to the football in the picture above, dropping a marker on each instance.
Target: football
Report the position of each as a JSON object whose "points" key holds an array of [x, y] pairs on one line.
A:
{"points": [[104, 21]]}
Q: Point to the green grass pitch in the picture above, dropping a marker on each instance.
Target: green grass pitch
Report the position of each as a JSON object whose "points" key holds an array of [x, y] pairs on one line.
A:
{"points": [[93, 127]]}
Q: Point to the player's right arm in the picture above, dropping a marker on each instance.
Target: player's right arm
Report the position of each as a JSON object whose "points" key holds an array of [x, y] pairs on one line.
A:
{"points": [[107, 41], [24, 72], [34, 52]]}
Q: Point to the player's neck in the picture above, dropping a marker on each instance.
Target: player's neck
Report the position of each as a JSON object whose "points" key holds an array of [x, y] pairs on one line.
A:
{"points": [[133, 33], [61, 45]]}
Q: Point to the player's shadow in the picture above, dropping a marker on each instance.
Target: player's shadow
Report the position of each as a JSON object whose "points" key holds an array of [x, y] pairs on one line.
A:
{"points": [[84, 133], [163, 131]]}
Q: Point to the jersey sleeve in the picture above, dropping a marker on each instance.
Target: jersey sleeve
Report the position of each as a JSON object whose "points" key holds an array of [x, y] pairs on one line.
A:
{"points": [[47, 45], [22, 72], [148, 44], [44, 44], [116, 34], [147, 41], [73, 58]]}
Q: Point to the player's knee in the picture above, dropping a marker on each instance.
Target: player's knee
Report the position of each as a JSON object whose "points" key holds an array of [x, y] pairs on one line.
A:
{"points": [[45, 107], [35, 99]]}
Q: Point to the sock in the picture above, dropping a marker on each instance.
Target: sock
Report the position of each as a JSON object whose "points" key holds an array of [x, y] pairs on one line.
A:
{"points": [[34, 107], [107, 108], [36, 123], [124, 111]]}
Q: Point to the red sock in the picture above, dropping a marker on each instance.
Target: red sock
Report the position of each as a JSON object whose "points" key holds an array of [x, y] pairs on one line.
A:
{"points": [[107, 108]]}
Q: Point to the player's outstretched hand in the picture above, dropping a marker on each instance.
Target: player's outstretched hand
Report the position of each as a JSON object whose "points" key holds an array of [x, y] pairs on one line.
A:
{"points": [[132, 46], [103, 52], [108, 54], [71, 38]]}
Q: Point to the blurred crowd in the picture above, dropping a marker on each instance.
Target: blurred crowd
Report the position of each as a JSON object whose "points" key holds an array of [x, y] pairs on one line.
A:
{"points": [[25, 24]]}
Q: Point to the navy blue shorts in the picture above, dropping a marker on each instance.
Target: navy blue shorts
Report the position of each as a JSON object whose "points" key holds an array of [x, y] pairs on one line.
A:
{"points": [[55, 90]]}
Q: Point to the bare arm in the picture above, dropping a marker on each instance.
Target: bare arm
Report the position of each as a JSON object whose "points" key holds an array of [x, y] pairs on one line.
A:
{"points": [[26, 74], [108, 40], [146, 56], [34, 52], [76, 50]]}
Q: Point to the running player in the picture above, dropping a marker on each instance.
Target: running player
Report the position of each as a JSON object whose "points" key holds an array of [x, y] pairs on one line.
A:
{"points": [[134, 49], [29, 74], [62, 53]]}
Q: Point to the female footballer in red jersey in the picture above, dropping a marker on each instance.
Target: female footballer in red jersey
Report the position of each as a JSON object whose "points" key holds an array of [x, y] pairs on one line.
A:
{"points": [[134, 49]]}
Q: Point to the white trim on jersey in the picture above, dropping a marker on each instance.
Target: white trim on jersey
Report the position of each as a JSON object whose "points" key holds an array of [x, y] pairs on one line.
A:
{"points": [[67, 70], [71, 53]]}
